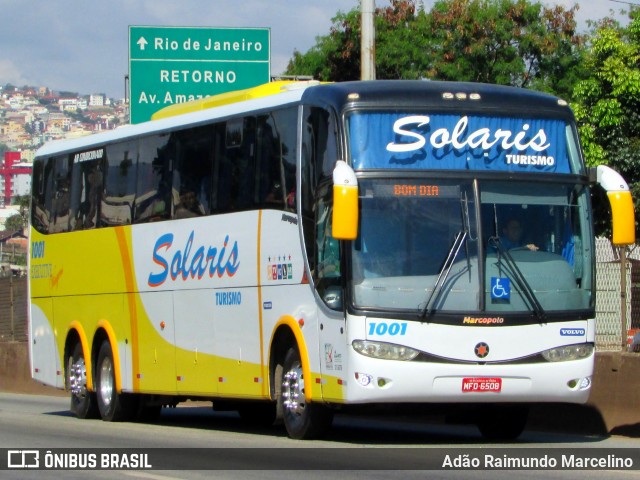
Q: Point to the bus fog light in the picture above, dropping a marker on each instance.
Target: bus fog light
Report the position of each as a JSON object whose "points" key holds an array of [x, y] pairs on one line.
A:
{"points": [[382, 382], [386, 351], [363, 379], [568, 352]]}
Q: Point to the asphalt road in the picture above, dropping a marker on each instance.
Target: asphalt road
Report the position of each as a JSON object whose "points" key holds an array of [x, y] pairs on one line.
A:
{"points": [[357, 447]]}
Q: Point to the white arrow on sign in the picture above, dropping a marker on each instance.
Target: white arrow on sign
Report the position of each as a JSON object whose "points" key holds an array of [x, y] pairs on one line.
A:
{"points": [[142, 43]]}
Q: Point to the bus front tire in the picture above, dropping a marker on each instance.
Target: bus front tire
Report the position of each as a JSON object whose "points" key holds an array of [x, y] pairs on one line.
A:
{"points": [[303, 420], [113, 406], [83, 402]]}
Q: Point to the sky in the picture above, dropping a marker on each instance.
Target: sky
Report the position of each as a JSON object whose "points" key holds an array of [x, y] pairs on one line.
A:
{"points": [[82, 45]]}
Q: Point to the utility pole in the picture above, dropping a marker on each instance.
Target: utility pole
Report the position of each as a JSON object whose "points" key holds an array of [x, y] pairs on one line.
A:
{"points": [[367, 41]]}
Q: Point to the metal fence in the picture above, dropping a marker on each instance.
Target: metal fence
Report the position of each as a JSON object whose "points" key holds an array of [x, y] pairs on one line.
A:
{"points": [[13, 307], [611, 304], [617, 294]]}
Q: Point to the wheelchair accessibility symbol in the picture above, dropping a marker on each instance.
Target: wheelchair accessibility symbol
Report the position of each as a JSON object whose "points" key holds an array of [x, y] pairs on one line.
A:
{"points": [[500, 288]]}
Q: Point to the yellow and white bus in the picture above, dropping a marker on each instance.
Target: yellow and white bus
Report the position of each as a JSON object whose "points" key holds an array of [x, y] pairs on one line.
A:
{"points": [[294, 249]]}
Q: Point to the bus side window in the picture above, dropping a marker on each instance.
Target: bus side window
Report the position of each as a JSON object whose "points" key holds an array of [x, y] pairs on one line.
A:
{"points": [[192, 172], [86, 190], [245, 167], [287, 123], [120, 183], [41, 211], [268, 179], [153, 190], [276, 159], [319, 153], [236, 169], [60, 208]]}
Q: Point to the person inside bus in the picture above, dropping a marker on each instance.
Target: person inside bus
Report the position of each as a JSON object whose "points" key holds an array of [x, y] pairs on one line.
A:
{"points": [[512, 236], [189, 206]]}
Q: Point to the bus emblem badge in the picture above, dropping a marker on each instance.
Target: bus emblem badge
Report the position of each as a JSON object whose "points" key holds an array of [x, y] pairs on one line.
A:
{"points": [[481, 350]]}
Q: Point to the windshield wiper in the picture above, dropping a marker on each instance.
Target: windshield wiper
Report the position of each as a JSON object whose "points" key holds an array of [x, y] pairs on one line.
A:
{"points": [[444, 273], [525, 289]]}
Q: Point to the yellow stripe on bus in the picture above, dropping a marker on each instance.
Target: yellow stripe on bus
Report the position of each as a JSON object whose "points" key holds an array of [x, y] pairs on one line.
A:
{"points": [[127, 266]]}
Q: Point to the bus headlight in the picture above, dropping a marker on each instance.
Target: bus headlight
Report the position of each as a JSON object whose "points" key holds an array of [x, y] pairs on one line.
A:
{"points": [[385, 351], [568, 352]]}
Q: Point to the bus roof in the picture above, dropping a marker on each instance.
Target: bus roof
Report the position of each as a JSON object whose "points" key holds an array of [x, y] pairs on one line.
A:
{"points": [[458, 96], [228, 98]]}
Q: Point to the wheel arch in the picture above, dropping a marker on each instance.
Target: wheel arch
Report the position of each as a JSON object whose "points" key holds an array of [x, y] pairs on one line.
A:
{"points": [[76, 334], [287, 333]]}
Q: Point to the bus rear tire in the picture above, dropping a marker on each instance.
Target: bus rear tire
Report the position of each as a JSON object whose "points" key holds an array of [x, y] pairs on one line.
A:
{"points": [[502, 423], [303, 420], [113, 406], [84, 403]]}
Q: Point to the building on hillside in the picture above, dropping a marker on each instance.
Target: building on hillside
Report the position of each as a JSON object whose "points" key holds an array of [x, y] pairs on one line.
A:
{"points": [[96, 100]]}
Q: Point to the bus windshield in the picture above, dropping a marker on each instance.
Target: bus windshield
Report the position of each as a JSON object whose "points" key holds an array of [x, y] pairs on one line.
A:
{"points": [[444, 245]]}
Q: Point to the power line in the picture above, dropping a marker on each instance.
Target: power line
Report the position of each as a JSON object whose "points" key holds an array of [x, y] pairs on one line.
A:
{"points": [[626, 3]]}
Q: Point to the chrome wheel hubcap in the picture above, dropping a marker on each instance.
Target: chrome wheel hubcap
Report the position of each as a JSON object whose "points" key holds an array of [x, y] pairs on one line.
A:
{"points": [[106, 381], [293, 391]]}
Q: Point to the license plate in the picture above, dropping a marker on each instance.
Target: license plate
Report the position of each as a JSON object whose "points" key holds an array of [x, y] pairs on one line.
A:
{"points": [[481, 384]]}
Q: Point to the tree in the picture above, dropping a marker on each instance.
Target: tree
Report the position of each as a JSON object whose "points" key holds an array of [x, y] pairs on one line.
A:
{"points": [[607, 104], [496, 41], [507, 42], [20, 220], [14, 223]]}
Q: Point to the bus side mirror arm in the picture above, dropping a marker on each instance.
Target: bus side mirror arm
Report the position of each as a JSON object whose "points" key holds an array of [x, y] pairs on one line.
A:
{"points": [[344, 221], [622, 212]]}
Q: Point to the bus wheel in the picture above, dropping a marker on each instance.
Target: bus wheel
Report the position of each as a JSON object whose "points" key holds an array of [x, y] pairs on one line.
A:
{"points": [[113, 406], [502, 423], [301, 419], [83, 402]]}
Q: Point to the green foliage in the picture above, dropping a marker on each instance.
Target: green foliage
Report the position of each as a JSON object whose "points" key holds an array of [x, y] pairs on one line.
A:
{"points": [[20, 220], [496, 41], [607, 104], [14, 223]]}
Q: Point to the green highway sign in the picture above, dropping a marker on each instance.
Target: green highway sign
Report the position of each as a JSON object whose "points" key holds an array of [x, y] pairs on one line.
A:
{"points": [[169, 65]]}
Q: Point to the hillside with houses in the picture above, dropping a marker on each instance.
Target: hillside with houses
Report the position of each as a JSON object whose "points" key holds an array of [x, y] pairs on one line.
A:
{"points": [[30, 117]]}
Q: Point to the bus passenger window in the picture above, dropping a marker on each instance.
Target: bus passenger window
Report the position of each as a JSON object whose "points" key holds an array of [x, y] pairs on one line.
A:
{"points": [[120, 183], [62, 195], [276, 159], [192, 176], [41, 194], [153, 192], [86, 190]]}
